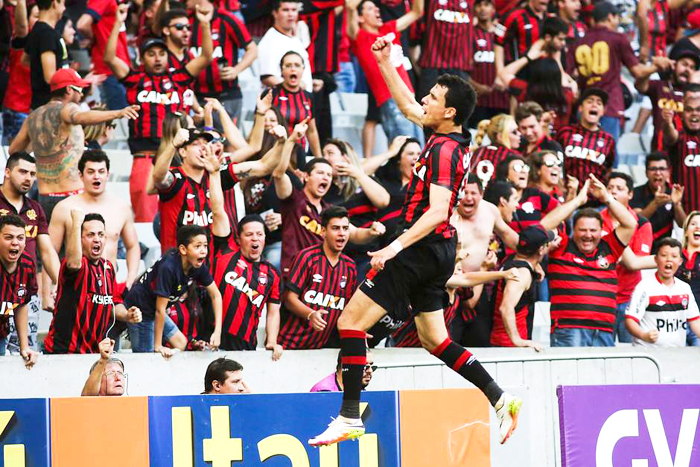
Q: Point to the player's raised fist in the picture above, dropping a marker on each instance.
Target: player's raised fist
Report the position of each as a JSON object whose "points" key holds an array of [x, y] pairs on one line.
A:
{"points": [[381, 49]]}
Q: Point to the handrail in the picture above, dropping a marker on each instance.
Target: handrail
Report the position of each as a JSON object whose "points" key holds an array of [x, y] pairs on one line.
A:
{"points": [[534, 358]]}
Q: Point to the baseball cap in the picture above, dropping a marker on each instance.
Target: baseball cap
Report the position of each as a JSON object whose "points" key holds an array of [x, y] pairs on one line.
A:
{"points": [[678, 52], [152, 42], [693, 23], [594, 91], [65, 77], [534, 237], [601, 10], [195, 134]]}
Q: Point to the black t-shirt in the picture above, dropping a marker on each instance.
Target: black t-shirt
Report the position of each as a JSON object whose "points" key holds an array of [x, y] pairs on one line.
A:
{"points": [[43, 38], [661, 220], [164, 279]]}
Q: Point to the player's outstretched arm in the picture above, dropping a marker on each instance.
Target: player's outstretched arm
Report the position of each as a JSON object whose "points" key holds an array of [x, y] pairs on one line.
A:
{"points": [[403, 96]]}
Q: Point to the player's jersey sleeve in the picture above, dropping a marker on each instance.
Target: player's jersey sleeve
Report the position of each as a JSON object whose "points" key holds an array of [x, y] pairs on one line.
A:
{"points": [[616, 246], [178, 182], [165, 283], [638, 303], [237, 30], [276, 290], [97, 8], [643, 238], [203, 276], [298, 273], [228, 177], [443, 162]]}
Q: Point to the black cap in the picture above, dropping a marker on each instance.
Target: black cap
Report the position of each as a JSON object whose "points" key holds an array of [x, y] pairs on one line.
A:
{"points": [[195, 134], [152, 42], [601, 10], [684, 52], [594, 91], [534, 237]]}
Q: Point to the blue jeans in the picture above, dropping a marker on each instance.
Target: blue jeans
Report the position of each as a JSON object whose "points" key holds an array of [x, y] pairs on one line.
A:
{"points": [[3, 346], [113, 93], [142, 334], [396, 124], [691, 340], [345, 78], [621, 332], [611, 125], [11, 124], [576, 337]]}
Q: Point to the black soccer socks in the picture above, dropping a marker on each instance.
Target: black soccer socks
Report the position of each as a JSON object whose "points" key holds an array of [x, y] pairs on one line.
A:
{"points": [[463, 362], [353, 360]]}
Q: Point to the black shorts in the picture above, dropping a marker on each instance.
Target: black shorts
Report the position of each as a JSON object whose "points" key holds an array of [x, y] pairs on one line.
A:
{"points": [[416, 276]]}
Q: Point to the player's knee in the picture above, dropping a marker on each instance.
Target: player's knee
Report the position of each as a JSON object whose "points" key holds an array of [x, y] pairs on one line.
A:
{"points": [[428, 341], [345, 322]]}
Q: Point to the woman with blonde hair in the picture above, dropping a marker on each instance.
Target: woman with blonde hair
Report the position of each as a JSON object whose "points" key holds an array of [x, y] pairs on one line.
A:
{"points": [[99, 134], [504, 141]]}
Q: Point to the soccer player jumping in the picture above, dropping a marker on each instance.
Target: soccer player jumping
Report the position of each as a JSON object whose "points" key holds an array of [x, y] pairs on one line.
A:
{"points": [[414, 267]]}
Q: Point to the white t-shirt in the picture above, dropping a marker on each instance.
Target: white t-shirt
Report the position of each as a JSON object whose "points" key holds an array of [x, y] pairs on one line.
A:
{"points": [[272, 48], [668, 309]]}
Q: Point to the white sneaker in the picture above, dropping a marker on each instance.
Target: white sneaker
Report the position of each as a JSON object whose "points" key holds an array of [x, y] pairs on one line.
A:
{"points": [[340, 429], [508, 415]]}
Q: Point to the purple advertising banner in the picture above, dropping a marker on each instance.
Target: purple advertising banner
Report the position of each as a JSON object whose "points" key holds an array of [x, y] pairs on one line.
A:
{"points": [[629, 425]]}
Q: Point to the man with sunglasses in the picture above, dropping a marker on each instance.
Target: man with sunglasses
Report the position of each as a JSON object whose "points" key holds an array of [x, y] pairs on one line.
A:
{"points": [[177, 33], [56, 134], [334, 381], [158, 91]]}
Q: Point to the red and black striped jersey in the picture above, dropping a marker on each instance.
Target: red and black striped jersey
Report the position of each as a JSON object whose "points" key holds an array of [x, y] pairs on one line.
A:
{"points": [[320, 286], [185, 318], [657, 23], [520, 29], [689, 272], [533, 206], [228, 34], [175, 63], [246, 287], [664, 96], [685, 168], [158, 95], [447, 40], [390, 216], [407, 334], [583, 288], [486, 158], [325, 31], [545, 144], [577, 29], [524, 309], [484, 69], [444, 162], [84, 307], [16, 289], [586, 152], [186, 202], [294, 106]]}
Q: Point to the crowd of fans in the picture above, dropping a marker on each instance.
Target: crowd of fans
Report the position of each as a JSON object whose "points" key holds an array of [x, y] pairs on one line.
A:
{"points": [[282, 223]]}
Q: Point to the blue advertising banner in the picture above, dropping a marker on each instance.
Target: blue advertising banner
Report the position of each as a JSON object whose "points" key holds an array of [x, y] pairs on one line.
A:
{"points": [[641, 425], [268, 431], [24, 433]]}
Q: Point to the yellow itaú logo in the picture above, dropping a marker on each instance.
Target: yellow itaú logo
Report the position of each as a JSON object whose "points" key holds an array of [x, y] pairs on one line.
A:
{"points": [[221, 449], [13, 454]]}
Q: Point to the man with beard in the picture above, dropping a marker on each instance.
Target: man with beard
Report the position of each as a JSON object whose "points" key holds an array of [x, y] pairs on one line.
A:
{"points": [[528, 116], [158, 91], [334, 381], [667, 94], [177, 32], [657, 200], [683, 150], [94, 172]]}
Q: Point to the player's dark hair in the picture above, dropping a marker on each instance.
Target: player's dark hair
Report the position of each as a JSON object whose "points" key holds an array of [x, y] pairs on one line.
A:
{"points": [[291, 52], [59, 93], [216, 371], [623, 176], [278, 3], [93, 216], [44, 4], [655, 157], [111, 360], [332, 212], [362, 5], [14, 159], [587, 213], [12, 219], [473, 179], [249, 218], [497, 190], [690, 88], [553, 26], [503, 167], [186, 233], [460, 95], [669, 242], [390, 172], [147, 4], [314, 162], [170, 15], [93, 155], [528, 109]]}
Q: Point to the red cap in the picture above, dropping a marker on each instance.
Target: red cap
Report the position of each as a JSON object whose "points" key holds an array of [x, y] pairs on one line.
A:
{"points": [[67, 77]]}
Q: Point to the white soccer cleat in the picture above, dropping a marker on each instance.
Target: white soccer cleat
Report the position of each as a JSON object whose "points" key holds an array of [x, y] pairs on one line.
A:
{"points": [[508, 415], [340, 429]]}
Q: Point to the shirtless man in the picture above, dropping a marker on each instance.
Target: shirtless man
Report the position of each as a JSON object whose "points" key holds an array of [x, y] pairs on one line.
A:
{"points": [[93, 168], [56, 135]]}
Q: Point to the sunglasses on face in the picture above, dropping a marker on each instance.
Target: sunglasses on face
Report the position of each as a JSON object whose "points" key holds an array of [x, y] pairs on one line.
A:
{"points": [[220, 139], [521, 168], [551, 164], [112, 126], [77, 89], [181, 27], [657, 169], [370, 367]]}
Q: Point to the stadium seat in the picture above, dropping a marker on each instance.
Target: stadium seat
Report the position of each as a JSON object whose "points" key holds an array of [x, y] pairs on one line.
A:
{"points": [[542, 324], [630, 149], [122, 271], [144, 231], [639, 174], [120, 161], [625, 169]]}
